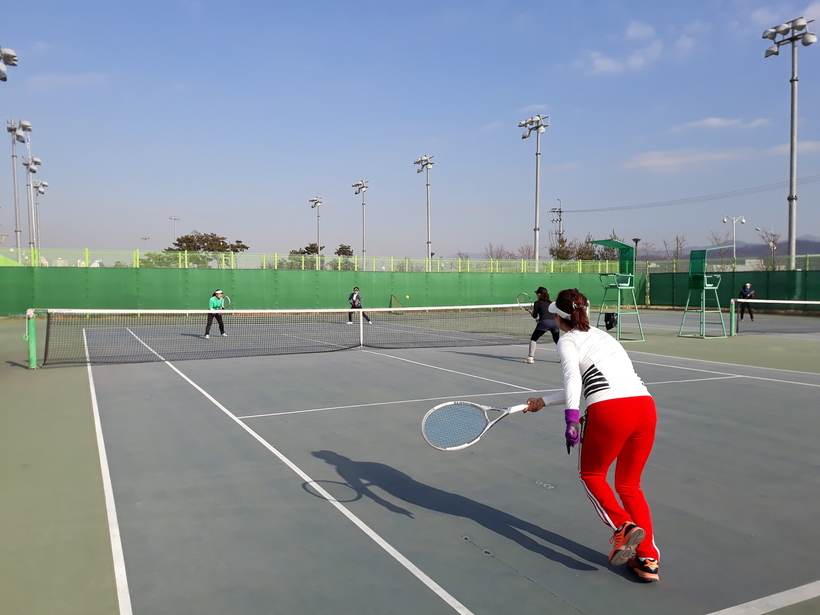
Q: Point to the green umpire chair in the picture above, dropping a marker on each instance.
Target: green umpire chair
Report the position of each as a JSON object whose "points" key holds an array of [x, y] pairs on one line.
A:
{"points": [[703, 296], [619, 291]]}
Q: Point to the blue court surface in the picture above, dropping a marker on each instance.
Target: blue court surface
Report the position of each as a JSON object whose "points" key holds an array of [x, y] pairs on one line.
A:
{"points": [[301, 484]]}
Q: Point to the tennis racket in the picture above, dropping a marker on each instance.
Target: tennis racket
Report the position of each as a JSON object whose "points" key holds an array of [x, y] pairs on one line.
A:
{"points": [[455, 425], [226, 302], [525, 303]]}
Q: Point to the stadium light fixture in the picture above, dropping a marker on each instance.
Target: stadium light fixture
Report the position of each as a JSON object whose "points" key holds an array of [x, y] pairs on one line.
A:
{"points": [[316, 203], [734, 221], [7, 58], [537, 124], [17, 129], [361, 188], [425, 164], [791, 32]]}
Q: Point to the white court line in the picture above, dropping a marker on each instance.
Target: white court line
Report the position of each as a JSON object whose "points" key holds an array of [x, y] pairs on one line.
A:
{"points": [[761, 606], [775, 601], [401, 559], [120, 576]]}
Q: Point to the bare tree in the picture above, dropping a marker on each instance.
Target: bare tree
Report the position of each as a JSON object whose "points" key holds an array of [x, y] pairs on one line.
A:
{"points": [[723, 240], [771, 239], [526, 252], [674, 249], [462, 255], [497, 252]]}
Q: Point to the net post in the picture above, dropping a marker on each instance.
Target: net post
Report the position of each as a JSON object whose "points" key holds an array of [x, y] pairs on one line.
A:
{"points": [[31, 338], [732, 315]]}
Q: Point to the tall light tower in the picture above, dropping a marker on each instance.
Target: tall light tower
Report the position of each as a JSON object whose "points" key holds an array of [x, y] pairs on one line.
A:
{"points": [[31, 165], [734, 222], [537, 124], [791, 32], [361, 188], [316, 203], [39, 188], [425, 164], [18, 130], [174, 219]]}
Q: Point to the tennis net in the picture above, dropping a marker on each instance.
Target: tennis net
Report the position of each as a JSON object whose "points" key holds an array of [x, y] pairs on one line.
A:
{"points": [[135, 336], [775, 316]]}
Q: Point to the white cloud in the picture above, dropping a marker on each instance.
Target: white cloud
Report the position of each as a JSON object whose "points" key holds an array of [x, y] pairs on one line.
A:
{"points": [[812, 11], [764, 17], [637, 29], [720, 122], [535, 108], [644, 56], [598, 62], [681, 160], [684, 44], [49, 82]]}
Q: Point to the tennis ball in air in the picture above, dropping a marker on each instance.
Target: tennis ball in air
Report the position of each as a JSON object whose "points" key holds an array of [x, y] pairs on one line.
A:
{"points": [[406, 296]]}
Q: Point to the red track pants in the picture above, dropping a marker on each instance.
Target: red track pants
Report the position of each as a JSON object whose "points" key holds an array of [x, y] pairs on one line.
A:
{"points": [[622, 430]]}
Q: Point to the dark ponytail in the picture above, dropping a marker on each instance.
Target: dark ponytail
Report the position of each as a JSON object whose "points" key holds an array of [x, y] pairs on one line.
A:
{"points": [[574, 303]]}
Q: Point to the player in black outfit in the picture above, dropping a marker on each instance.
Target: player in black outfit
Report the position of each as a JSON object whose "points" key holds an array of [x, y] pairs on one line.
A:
{"points": [[355, 301], [746, 293], [546, 321]]}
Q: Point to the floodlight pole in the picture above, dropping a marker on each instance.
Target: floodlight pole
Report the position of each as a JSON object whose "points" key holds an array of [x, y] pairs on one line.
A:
{"points": [[16, 128], [742, 220], [39, 188], [797, 29], [174, 219], [361, 188], [537, 124], [425, 164], [315, 204]]}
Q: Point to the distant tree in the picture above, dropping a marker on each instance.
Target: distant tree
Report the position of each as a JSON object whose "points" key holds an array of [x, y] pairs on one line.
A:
{"points": [[343, 250], [770, 238], [526, 252], [562, 250], [606, 253], [462, 255], [497, 252], [311, 248], [722, 240], [584, 250], [206, 242], [674, 249], [159, 260]]}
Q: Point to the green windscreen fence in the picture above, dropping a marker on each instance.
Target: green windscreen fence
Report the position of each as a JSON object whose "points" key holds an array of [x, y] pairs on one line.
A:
{"points": [[168, 289]]}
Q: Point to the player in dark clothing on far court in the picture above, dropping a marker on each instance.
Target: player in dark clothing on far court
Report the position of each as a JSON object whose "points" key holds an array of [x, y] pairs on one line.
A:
{"points": [[355, 301], [546, 321], [746, 293]]}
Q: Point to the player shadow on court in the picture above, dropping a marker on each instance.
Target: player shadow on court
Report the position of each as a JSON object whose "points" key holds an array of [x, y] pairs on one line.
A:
{"points": [[362, 475]]}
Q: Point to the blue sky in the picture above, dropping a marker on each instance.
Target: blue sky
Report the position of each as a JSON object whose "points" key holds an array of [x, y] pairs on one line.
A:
{"points": [[231, 116]]}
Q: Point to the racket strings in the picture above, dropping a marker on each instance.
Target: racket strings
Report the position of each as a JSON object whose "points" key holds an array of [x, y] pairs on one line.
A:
{"points": [[455, 425]]}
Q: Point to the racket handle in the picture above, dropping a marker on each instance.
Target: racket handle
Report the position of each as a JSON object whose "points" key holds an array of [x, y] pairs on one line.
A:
{"points": [[518, 408]]}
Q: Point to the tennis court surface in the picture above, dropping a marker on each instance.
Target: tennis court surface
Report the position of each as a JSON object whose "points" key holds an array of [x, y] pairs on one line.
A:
{"points": [[301, 484]]}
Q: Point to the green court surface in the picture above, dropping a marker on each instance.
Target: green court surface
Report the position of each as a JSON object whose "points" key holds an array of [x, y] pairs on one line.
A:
{"points": [[212, 465]]}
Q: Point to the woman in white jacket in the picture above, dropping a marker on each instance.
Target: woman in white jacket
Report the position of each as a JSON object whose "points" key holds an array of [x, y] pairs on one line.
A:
{"points": [[619, 425]]}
